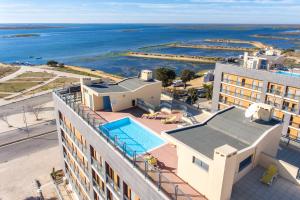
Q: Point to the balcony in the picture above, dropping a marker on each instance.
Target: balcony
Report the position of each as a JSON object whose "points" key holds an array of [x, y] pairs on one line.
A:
{"points": [[77, 175], [98, 167], [74, 138], [293, 96], [98, 189], [113, 185], [275, 92], [289, 109], [276, 105], [83, 167], [295, 125], [238, 83], [75, 187], [239, 95]]}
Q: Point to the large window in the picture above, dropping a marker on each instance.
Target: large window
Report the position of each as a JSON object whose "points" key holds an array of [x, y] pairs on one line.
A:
{"points": [[200, 163], [245, 163]]}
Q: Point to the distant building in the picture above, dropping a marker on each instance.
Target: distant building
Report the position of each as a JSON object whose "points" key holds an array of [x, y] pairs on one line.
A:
{"points": [[209, 76], [263, 62]]}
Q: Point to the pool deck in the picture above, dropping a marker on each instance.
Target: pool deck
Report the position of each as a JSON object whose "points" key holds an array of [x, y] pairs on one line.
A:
{"points": [[165, 154], [136, 114]]}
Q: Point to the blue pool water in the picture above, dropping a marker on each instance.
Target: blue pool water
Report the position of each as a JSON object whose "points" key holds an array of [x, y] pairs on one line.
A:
{"points": [[137, 138], [288, 73]]}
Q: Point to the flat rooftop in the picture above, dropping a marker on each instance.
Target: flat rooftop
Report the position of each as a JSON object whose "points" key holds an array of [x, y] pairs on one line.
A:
{"points": [[122, 86], [227, 127]]}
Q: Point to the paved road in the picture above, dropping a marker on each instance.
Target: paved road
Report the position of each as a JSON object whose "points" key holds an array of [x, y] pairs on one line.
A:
{"points": [[29, 146], [33, 130], [17, 107]]}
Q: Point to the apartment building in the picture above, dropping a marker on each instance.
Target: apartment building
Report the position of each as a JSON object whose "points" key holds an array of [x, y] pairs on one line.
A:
{"points": [[110, 151], [242, 86]]}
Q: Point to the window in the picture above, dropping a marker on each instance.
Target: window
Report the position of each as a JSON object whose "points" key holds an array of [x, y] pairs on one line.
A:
{"points": [[200, 163], [245, 163], [243, 82]]}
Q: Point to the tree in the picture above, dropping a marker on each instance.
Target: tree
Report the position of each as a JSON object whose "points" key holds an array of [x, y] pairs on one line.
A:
{"points": [[165, 75], [61, 65], [52, 63], [3, 117], [36, 110], [208, 91], [193, 95], [187, 75]]}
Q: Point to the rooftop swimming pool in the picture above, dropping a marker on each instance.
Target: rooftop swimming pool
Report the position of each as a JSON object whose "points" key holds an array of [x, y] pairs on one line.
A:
{"points": [[288, 73], [131, 136]]}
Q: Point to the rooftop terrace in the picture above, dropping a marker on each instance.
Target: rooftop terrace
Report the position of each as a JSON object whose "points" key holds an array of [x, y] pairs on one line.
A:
{"points": [[227, 127]]}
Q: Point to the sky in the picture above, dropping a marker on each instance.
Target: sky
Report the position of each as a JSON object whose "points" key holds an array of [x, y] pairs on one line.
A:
{"points": [[151, 11]]}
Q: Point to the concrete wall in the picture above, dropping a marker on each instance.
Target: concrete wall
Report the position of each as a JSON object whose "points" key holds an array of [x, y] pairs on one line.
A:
{"points": [[141, 186], [190, 172]]}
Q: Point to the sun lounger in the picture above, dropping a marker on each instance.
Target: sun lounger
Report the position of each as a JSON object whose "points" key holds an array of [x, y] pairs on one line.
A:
{"points": [[150, 115], [152, 162], [169, 120], [269, 175]]}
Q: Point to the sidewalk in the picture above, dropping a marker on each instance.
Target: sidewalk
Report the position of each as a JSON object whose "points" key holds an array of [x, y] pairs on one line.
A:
{"points": [[17, 121], [13, 136]]}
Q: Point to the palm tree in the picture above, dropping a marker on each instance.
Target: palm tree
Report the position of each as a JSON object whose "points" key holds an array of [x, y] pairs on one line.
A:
{"points": [[208, 91]]}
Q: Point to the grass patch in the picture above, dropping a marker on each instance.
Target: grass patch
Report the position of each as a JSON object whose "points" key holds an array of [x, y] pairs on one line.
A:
{"points": [[36, 74], [60, 82], [2, 95], [5, 71], [17, 87], [40, 79]]}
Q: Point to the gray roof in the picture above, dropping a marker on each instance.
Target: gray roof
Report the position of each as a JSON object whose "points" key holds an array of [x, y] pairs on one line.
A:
{"points": [[134, 83], [228, 127], [122, 86]]}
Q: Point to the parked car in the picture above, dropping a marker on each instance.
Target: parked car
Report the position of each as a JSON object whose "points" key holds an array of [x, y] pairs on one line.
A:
{"points": [[201, 93], [178, 83]]}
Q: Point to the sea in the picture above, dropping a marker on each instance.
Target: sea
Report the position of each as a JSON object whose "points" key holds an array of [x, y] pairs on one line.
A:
{"points": [[103, 46]]}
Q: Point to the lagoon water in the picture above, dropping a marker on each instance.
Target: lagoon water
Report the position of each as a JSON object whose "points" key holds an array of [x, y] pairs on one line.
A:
{"points": [[100, 46]]}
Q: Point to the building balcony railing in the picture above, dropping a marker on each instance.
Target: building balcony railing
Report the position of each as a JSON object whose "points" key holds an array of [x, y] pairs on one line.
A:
{"points": [[292, 96], [72, 98], [98, 167], [289, 109], [242, 96], [74, 139], [83, 167], [98, 189], [295, 125], [276, 105], [276, 92], [76, 173], [113, 185], [80, 196], [238, 83]]}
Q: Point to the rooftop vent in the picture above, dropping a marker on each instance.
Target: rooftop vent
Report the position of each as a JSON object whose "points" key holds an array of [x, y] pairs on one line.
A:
{"points": [[259, 111], [146, 75]]}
